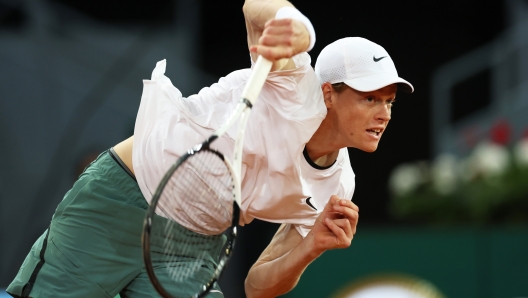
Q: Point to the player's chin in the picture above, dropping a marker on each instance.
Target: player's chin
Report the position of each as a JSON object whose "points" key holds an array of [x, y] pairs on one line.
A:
{"points": [[369, 146]]}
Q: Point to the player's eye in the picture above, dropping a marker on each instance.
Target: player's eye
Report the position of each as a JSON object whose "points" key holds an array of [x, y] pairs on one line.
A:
{"points": [[369, 99]]}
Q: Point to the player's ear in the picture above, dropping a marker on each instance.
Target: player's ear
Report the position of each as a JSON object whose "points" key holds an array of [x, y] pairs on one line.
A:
{"points": [[327, 94]]}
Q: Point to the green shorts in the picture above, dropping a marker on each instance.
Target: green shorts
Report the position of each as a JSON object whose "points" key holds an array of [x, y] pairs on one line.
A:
{"points": [[93, 245]]}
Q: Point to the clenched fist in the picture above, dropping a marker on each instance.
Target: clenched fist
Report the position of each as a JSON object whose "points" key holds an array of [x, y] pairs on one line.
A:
{"points": [[336, 225], [283, 38]]}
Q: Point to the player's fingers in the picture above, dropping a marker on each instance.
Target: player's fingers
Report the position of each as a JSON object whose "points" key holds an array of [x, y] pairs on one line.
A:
{"points": [[278, 23], [272, 53], [285, 32], [343, 202], [349, 204], [343, 240], [271, 40], [279, 30], [348, 227], [333, 201], [346, 211]]}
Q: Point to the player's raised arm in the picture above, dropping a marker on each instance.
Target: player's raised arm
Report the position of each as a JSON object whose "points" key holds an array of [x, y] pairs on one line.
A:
{"points": [[280, 266], [277, 31]]}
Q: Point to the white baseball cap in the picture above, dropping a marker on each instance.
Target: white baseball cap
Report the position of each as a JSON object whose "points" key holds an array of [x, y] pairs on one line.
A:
{"points": [[361, 64]]}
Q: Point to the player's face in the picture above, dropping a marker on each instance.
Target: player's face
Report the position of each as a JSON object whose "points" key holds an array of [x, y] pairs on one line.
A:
{"points": [[362, 117]]}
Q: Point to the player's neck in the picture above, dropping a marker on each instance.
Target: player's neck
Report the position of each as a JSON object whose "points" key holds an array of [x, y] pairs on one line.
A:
{"points": [[321, 155], [327, 160], [324, 145]]}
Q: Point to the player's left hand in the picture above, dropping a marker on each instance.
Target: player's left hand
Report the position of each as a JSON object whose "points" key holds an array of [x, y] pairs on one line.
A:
{"points": [[282, 38], [336, 225]]}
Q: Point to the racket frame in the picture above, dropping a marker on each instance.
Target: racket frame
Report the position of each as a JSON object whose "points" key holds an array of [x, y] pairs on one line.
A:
{"points": [[249, 96]]}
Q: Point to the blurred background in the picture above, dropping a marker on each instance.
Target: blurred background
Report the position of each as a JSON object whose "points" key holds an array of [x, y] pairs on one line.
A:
{"points": [[444, 200]]}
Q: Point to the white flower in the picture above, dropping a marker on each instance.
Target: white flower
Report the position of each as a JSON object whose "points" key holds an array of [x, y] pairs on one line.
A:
{"points": [[466, 170], [520, 151], [405, 178], [444, 173], [489, 159]]}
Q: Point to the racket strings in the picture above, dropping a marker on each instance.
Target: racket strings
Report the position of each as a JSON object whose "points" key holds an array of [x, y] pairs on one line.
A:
{"points": [[198, 201], [201, 185]]}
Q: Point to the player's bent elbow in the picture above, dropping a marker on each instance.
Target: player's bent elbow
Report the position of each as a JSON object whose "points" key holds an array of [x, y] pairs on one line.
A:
{"points": [[251, 292], [247, 7], [248, 289], [277, 290]]}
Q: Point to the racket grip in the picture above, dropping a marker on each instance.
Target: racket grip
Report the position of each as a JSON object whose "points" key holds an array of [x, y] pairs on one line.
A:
{"points": [[256, 79]]}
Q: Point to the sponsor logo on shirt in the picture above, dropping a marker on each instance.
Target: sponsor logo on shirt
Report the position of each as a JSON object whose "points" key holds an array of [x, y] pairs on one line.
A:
{"points": [[309, 203]]}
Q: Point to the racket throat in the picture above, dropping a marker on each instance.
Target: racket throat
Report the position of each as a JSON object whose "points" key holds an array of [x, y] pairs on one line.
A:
{"points": [[207, 143], [246, 102]]}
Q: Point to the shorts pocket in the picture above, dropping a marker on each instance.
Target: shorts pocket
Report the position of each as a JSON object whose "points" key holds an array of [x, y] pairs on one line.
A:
{"points": [[71, 274], [57, 254]]}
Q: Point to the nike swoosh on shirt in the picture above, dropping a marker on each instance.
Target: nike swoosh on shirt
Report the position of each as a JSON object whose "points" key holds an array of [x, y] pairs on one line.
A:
{"points": [[310, 204], [378, 59]]}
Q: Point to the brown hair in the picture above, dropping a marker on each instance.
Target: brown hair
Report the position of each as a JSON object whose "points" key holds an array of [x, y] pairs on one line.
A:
{"points": [[339, 87]]}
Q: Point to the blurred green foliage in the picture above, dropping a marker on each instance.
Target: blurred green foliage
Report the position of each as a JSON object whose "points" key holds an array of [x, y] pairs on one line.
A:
{"points": [[482, 199]]}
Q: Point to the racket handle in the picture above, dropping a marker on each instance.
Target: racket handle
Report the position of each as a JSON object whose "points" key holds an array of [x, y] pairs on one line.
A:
{"points": [[256, 79]]}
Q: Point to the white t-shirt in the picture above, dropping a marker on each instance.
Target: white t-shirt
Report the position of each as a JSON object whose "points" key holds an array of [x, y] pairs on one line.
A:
{"points": [[277, 178]]}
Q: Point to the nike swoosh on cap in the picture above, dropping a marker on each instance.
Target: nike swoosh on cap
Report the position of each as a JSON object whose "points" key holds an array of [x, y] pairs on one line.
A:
{"points": [[378, 59]]}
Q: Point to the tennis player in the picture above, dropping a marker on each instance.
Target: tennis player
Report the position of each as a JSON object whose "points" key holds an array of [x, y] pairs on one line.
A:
{"points": [[296, 169]]}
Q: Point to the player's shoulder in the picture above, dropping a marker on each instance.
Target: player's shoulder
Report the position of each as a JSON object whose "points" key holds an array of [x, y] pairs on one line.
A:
{"points": [[226, 84], [301, 61], [301, 64], [235, 78]]}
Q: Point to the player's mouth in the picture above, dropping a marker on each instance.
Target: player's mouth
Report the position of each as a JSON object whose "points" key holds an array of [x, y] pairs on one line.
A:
{"points": [[375, 131]]}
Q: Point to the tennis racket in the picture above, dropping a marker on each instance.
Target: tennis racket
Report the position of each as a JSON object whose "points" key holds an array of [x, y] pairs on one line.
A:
{"points": [[182, 263]]}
